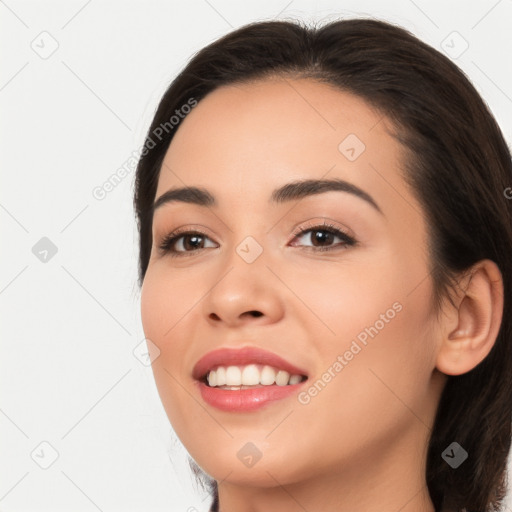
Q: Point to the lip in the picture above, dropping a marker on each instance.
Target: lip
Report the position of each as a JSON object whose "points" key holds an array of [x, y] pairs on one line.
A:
{"points": [[242, 400], [245, 400], [240, 357]]}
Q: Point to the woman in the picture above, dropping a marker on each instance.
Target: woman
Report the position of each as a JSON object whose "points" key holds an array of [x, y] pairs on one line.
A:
{"points": [[325, 269]]}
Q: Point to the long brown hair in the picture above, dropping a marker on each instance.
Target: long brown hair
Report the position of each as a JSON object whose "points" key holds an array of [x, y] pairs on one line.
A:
{"points": [[458, 165]]}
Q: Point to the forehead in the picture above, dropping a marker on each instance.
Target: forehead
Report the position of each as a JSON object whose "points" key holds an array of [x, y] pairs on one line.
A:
{"points": [[246, 139]]}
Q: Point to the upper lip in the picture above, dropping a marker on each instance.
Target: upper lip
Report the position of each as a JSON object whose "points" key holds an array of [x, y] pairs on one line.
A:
{"points": [[240, 357]]}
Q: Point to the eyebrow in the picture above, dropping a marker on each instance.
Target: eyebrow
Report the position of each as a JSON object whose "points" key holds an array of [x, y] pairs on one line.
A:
{"points": [[289, 192]]}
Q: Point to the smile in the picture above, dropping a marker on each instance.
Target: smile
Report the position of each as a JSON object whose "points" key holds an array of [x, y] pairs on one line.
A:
{"points": [[234, 377], [245, 379]]}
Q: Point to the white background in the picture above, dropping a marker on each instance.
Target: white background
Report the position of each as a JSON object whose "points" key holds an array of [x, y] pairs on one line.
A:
{"points": [[69, 325]]}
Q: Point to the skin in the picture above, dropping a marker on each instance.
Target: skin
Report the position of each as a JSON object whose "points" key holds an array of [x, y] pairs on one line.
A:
{"points": [[360, 443]]}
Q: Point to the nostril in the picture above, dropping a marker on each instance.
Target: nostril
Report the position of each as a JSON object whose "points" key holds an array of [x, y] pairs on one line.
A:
{"points": [[256, 313]]}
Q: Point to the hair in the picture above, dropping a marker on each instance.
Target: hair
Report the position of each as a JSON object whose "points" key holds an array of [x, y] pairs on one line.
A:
{"points": [[457, 164]]}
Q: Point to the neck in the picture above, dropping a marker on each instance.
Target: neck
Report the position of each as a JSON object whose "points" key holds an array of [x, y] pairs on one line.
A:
{"points": [[396, 481]]}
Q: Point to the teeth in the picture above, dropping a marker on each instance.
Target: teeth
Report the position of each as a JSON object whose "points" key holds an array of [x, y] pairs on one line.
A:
{"points": [[232, 377], [268, 376], [295, 379], [282, 378], [221, 376], [212, 379], [250, 376]]}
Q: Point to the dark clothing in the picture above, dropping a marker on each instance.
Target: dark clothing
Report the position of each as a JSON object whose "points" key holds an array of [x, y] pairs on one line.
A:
{"points": [[215, 504]]}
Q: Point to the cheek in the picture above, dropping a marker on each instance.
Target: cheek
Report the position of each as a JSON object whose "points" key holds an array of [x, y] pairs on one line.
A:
{"points": [[380, 328], [380, 393], [166, 299], [155, 315], [340, 301], [166, 306], [165, 303]]}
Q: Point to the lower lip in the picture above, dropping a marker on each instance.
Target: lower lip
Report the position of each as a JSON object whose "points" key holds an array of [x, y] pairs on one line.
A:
{"points": [[245, 399]]}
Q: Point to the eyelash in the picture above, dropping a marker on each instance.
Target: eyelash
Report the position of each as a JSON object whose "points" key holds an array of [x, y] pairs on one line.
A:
{"points": [[167, 243]]}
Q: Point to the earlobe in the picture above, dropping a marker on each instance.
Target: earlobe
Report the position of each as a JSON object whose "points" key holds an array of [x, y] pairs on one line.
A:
{"points": [[470, 330]]}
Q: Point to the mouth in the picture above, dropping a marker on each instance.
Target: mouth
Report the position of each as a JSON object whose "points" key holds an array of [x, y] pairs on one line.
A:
{"points": [[250, 376], [245, 379]]}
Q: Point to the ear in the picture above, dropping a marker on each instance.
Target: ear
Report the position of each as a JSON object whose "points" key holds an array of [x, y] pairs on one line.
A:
{"points": [[469, 330]]}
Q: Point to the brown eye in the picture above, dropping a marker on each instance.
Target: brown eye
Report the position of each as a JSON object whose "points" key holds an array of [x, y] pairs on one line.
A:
{"points": [[324, 238], [178, 244], [321, 237], [191, 242]]}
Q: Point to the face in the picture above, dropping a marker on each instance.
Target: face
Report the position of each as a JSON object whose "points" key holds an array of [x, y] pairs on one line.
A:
{"points": [[333, 280]]}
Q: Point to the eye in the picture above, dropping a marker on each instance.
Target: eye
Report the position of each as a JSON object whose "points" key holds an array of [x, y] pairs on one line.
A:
{"points": [[324, 237], [178, 243]]}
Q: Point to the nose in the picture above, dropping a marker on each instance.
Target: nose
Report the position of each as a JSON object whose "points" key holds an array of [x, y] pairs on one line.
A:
{"points": [[246, 293]]}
